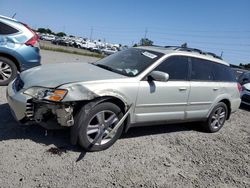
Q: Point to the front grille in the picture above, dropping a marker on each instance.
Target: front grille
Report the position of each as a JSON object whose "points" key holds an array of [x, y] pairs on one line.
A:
{"points": [[30, 109], [18, 84], [246, 98]]}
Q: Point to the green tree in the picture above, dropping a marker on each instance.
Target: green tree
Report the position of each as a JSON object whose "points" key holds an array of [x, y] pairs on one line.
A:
{"points": [[60, 34], [49, 31], [146, 42], [42, 30]]}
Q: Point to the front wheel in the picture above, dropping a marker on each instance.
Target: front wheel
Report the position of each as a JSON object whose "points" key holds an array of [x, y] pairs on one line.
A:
{"points": [[217, 118], [96, 126]]}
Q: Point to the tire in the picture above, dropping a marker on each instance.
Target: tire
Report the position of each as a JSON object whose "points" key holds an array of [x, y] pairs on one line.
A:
{"points": [[216, 118], [8, 71], [95, 122]]}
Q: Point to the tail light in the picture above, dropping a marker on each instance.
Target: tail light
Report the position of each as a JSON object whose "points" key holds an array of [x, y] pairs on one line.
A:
{"points": [[239, 87], [32, 41]]}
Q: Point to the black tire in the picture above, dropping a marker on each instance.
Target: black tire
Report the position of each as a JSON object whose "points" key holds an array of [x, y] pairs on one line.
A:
{"points": [[216, 118], [87, 115], [11, 71]]}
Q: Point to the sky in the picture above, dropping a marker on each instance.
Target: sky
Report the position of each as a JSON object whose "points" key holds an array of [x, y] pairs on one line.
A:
{"points": [[218, 26]]}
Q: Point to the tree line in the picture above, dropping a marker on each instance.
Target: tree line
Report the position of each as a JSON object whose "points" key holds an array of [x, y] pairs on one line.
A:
{"points": [[245, 66], [48, 31], [142, 42]]}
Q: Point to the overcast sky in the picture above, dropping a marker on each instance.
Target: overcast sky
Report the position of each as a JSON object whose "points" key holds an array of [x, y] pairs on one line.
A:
{"points": [[216, 26]]}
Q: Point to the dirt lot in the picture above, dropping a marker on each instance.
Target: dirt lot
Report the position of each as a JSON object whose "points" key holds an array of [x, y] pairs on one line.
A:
{"points": [[162, 156]]}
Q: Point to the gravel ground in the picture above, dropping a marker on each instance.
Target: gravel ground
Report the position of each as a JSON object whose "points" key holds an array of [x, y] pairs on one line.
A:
{"points": [[161, 156]]}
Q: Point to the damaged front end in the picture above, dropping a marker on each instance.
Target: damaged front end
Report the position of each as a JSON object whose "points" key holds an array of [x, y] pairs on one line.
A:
{"points": [[49, 115], [47, 109], [55, 108]]}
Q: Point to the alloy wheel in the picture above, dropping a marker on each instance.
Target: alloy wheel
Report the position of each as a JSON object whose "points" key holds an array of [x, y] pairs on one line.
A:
{"points": [[5, 71], [99, 127], [218, 118]]}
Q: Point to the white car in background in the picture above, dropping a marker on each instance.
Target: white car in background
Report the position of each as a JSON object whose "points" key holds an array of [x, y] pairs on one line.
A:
{"points": [[48, 37]]}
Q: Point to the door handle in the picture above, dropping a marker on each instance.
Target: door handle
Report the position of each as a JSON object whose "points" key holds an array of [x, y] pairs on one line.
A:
{"points": [[215, 89], [182, 89]]}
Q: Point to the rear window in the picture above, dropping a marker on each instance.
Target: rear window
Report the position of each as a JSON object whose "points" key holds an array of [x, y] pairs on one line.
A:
{"points": [[205, 70], [6, 29], [223, 73]]}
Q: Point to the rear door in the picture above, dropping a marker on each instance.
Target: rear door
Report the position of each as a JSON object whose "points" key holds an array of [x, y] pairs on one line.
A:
{"points": [[204, 89]]}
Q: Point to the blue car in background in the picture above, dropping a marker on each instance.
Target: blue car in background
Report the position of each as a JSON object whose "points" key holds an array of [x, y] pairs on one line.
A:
{"points": [[19, 49]]}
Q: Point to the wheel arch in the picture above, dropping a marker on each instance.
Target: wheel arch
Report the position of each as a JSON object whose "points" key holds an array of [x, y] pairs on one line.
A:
{"points": [[120, 103], [12, 58], [226, 100], [228, 104]]}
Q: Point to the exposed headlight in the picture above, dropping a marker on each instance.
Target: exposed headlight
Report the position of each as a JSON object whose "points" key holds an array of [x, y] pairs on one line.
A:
{"points": [[46, 93]]}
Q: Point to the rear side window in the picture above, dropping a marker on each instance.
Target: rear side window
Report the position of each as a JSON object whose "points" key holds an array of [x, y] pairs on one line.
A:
{"points": [[6, 29], [223, 73], [176, 67], [202, 70]]}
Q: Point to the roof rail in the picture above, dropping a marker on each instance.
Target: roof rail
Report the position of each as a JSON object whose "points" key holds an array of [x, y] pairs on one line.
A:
{"points": [[187, 49]]}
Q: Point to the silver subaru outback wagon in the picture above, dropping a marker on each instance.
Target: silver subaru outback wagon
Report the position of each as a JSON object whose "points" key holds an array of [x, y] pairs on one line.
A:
{"points": [[137, 86]]}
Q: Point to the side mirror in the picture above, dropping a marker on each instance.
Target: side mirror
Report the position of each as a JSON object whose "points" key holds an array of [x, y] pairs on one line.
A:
{"points": [[158, 76]]}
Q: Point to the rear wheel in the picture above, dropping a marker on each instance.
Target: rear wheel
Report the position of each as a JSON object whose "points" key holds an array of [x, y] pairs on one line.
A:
{"points": [[8, 71], [217, 118], [96, 126]]}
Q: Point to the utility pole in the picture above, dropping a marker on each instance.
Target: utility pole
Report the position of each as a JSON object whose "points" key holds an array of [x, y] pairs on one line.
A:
{"points": [[91, 33], [146, 32]]}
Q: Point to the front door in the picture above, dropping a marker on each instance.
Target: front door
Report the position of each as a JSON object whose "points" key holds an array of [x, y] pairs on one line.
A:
{"points": [[164, 101]]}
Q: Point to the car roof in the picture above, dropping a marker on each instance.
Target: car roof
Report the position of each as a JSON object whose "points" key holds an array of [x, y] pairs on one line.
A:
{"points": [[185, 51], [7, 18]]}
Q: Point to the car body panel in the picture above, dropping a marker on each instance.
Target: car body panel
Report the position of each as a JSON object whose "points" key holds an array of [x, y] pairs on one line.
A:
{"points": [[17, 102], [161, 100], [201, 98], [65, 73]]}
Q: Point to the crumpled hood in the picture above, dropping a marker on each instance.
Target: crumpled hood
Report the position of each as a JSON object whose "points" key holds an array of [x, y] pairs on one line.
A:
{"points": [[247, 86], [53, 75]]}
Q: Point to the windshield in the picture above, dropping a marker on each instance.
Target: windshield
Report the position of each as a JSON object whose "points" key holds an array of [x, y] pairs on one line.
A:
{"points": [[129, 62]]}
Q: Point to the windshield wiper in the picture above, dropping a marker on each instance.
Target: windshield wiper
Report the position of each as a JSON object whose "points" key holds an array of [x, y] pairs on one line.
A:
{"points": [[110, 69], [105, 67]]}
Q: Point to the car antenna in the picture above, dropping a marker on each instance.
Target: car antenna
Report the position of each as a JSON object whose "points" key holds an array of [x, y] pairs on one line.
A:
{"points": [[14, 15], [221, 54]]}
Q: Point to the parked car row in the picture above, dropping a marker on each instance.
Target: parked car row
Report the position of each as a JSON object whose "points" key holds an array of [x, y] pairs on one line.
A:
{"points": [[83, 43]]}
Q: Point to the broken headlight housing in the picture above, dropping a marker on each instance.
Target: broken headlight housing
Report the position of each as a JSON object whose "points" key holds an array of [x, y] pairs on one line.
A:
{"points": [[42, 93]]}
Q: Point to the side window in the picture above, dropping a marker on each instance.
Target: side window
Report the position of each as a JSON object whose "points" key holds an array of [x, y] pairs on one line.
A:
{"points": [[176, 67], [6, 29], [223, 73], [202, 70]]}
